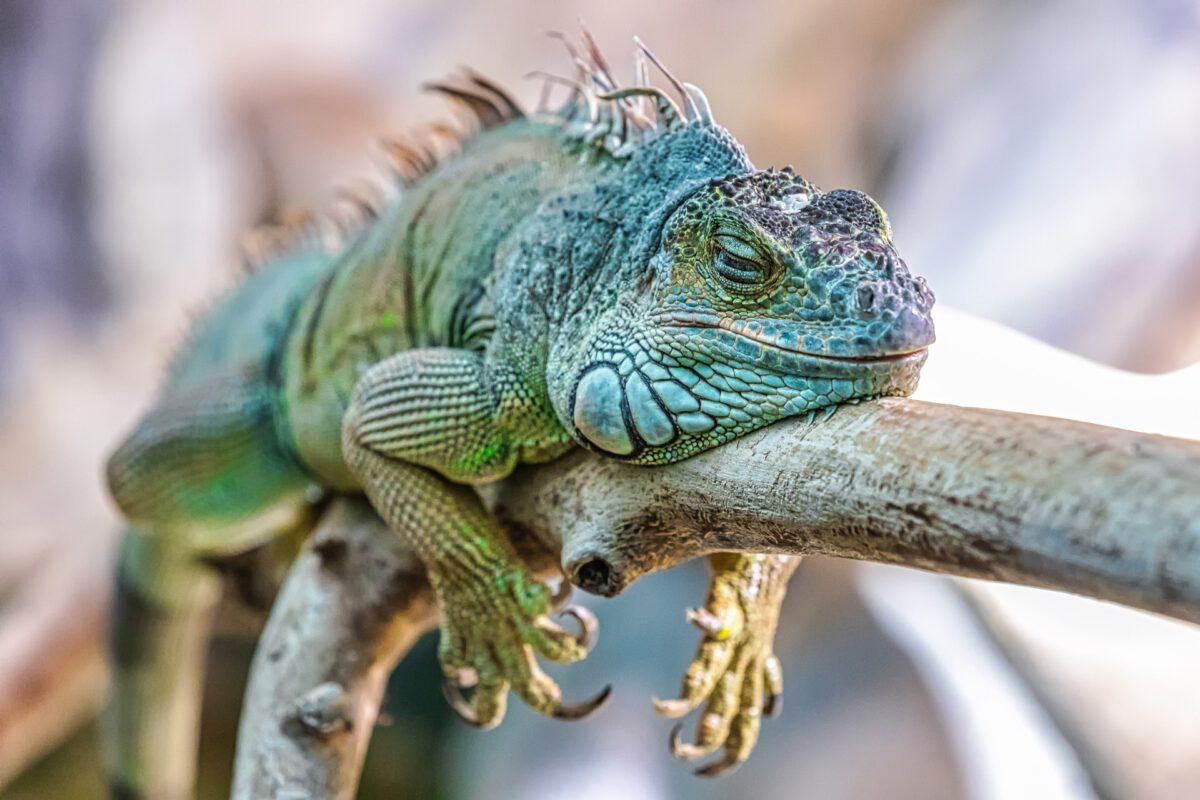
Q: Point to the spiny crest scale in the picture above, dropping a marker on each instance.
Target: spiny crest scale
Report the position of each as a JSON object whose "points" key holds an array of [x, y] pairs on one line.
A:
{"points": [[598, 113], [602, 113]]}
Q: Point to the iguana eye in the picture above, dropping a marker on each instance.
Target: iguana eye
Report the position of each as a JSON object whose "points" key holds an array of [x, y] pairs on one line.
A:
{"points": [[738, 263]]}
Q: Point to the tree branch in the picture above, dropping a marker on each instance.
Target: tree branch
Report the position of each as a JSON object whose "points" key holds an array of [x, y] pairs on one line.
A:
{"points": [[355, 601], [1034, 500], [1047, 502]]}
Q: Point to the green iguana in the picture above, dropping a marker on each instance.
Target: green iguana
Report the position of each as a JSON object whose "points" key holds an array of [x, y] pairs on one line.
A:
{"points": [[615, 275]]}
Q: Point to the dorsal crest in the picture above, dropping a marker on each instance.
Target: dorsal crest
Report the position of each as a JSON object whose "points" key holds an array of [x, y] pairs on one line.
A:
{"points": [[618, 119], [599, 113]]}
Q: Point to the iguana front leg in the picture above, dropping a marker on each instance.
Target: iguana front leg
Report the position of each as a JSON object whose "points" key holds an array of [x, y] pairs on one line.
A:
{"points": [[442, 409], [735, 671]]}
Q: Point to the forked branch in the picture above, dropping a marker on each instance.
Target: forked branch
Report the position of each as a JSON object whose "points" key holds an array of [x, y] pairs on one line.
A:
{"points": [[1048, 502]]}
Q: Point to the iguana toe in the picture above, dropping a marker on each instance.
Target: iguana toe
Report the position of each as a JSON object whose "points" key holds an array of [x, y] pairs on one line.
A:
{"points": [[492, 641], [735, 675]]}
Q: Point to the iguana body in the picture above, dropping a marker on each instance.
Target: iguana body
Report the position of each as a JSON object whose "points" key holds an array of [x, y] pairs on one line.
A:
{"points": [[602, 276]]}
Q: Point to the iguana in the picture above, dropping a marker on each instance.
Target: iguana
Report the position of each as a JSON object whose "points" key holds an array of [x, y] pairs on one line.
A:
{"points": [[614, 274]]}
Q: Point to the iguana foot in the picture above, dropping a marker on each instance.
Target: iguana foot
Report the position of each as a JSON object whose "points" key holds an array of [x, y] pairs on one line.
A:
{"points": [[735, 673], [419, 427], [490, 641]]}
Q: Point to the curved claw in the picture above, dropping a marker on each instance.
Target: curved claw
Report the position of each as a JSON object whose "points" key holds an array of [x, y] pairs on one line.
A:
{"points": [[674, 741], [589, 627], [584, 709], [708, 622], [723, 766], [672, 709], [453, 695], [681, 749], [562, 594], [772, 705], [773, 684]]}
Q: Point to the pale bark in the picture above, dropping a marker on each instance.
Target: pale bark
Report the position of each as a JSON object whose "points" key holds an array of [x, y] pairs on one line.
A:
{"points": [[355, 601], [1035, 500]]}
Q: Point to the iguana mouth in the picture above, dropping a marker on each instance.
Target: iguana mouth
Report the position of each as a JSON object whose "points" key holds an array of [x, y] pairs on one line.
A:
{"points": [[856, 359], [739, 329]]}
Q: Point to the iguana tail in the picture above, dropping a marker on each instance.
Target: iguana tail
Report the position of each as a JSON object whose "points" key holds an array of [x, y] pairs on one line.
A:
{"points": [[160, 630]]}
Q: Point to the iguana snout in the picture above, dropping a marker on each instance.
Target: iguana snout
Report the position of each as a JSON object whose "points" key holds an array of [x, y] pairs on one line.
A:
{"points": [[857, 298]]}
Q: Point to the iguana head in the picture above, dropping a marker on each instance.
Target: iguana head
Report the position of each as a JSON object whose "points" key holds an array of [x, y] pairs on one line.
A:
{"points": [[723, 298], [764, 298]]}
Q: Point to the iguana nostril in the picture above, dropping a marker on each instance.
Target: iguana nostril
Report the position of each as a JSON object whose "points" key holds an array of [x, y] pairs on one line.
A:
{"points": [[866, 299]]}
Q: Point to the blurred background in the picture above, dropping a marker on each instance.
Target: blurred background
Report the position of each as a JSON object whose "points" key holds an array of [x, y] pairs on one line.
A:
{"points": [[1040, 160]]}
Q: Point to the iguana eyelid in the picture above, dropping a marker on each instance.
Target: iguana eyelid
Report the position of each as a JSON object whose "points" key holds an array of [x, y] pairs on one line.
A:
{"points": [[735, 245], [738, 240], [741, 237]]}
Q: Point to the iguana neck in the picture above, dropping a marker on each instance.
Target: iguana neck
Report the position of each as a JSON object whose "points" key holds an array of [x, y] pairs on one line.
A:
{"points": [[601, 261]]}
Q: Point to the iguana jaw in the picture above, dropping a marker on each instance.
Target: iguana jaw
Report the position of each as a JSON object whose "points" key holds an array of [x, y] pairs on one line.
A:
{"points": [[675, 389], [910, 355]]}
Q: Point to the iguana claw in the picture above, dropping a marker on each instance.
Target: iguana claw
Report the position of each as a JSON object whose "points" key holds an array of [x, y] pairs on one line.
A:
{"points": [[486, 707], [675, 742], [453, 694], [589, 627], [734, 675], [708, 622], [671, 709], [562, 594], [722, 766], [773, 674], [687, 752], [584, 709], [681, 749]]}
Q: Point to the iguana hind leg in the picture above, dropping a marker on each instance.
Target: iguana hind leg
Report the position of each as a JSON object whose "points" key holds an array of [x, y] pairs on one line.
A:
{"points": [[205, 466], [201, 476], [440, 409], [735, 673]]}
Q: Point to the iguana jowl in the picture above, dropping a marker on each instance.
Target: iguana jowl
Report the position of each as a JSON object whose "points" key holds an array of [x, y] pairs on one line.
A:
{"points": [[615, 274]]}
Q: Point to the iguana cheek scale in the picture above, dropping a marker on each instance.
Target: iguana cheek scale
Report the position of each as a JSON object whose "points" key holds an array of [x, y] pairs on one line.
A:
{"points": [[614, 274], [633, 406]]}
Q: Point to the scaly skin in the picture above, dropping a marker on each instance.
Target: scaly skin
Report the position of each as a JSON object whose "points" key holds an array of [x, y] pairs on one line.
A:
{"points": [[735, 669], [605, 276]]}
